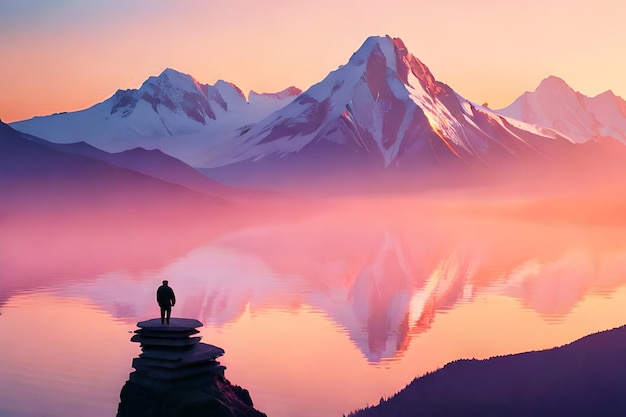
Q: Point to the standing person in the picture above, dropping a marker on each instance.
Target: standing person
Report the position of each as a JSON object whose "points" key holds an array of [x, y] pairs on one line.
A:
{"points": [[166, 300]]}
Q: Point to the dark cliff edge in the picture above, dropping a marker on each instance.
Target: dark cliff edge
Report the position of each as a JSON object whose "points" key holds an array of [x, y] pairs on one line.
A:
{"points": [[178, 376], [586, 377], [217, 399]]}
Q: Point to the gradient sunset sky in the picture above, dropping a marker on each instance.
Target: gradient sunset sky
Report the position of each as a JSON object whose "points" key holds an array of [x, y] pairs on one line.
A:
{"points": [[66, 55]]}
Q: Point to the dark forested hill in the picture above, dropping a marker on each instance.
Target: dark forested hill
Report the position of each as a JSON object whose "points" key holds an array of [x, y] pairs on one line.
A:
{"points": [[584, 378]]}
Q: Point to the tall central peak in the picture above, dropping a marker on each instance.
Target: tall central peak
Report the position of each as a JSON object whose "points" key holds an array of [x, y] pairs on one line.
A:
{"points": [[393, 54], [377, 45]]}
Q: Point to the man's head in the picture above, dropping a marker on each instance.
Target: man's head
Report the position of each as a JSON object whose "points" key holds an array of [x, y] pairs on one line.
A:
{"points": [[165, 282]]}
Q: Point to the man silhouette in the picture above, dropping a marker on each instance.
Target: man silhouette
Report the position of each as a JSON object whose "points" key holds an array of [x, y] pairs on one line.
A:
{"points": [[166, 300]]}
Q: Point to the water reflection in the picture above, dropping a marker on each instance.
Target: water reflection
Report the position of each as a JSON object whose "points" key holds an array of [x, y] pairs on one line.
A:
{"points": [[383, 279], [346, 304]]}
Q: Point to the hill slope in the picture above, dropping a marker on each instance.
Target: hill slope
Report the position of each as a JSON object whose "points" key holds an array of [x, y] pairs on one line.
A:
{"points": [[583, 378]]}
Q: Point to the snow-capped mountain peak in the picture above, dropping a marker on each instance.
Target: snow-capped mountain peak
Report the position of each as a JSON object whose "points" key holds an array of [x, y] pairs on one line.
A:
{"points": [[553, 83], [392, 54], [555, 105], [289, 92], [172, 104], [227, 93], [178, 79], [384, 105], [372, 44], [175, 92]]}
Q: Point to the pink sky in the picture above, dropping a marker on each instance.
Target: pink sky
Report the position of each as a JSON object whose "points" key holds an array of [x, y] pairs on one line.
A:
{"points": [[68, 55]]}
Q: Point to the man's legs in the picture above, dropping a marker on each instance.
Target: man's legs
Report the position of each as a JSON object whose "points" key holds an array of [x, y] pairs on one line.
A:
{"points": [[163, 315], [168, 311]]}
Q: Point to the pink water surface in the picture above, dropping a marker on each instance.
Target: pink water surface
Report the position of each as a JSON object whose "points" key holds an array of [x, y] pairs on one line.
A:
{"points": [[318, 313]]}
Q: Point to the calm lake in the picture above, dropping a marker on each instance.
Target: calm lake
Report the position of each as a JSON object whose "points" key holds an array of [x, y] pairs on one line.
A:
{"points": [[319, 314]]}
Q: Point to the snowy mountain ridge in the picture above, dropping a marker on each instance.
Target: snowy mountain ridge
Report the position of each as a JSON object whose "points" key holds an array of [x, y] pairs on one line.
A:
{"points": [[386, 104], [555, 105], [382, 110], [171, 104]]}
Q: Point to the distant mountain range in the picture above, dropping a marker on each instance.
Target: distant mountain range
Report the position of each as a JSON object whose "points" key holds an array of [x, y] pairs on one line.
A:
{"points": [[381, 113], [172, 104], [172, 112]]}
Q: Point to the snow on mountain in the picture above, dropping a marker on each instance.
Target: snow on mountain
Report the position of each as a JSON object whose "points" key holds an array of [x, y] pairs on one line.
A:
{"points": [[382, 111], [555, 105], [383, 108], [287, 93], [172, 104]]}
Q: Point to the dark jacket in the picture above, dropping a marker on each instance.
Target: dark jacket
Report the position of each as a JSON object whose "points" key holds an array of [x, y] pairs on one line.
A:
{"points": [[165, 296]]}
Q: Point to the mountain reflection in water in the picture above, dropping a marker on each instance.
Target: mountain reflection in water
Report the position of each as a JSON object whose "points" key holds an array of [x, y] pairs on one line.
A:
{"points": [[349, 303]]}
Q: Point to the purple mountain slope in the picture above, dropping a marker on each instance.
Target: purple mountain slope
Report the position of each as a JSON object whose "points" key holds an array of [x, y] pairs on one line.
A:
{"points": [[155, 164], [31, 172], [383, 109], [555, 105]]}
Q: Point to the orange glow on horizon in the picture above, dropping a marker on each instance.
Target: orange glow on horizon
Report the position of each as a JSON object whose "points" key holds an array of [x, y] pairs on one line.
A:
{"points": [[66, 57]]}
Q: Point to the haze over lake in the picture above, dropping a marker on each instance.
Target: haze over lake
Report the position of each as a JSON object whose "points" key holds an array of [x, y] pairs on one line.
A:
{"points": [[322, 308]]}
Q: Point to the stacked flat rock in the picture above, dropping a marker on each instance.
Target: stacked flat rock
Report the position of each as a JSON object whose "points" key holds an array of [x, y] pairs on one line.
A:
{"points": [[172, 357]]}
